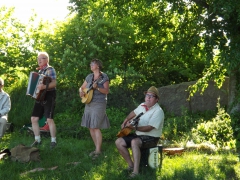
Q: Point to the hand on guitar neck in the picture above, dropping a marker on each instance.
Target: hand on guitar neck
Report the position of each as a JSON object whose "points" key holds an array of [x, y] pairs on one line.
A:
{"points": [[94, 86], [129, 126]]}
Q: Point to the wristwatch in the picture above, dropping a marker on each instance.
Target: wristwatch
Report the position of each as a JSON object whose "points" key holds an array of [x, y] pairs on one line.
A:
{"points": [[98, 88]]}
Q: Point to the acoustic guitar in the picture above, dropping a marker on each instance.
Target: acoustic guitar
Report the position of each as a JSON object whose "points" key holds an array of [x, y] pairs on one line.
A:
{"points": [[127, 130], [88, 92]]}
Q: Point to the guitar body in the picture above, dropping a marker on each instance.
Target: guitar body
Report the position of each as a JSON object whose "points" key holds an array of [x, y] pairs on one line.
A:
{"points": [[124, 132], [89, 91], [88, 96]]}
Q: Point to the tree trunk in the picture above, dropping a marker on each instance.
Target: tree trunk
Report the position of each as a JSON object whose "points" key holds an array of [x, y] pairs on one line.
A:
{"points": [[233, 106]]}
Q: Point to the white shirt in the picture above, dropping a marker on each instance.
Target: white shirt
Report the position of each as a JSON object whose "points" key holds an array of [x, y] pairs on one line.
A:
{"points": [[5, 104], [153, 117]]}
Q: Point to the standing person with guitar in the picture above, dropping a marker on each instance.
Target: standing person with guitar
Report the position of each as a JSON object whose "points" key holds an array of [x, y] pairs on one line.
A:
{"points": [[147, 121], [94, 92], [46, 106]]}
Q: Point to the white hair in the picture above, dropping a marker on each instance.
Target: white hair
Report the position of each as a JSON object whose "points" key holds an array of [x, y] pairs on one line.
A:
{"points": [[1, 81], [44, 53]]}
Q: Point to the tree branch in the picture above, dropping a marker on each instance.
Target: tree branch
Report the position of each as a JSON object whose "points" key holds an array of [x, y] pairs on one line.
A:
{"points": [[202, 3]]}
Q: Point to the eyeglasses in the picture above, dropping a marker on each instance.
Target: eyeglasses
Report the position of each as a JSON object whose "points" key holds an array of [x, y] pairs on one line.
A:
{"points": [[42, 58], [149, 96], [92, 64]]}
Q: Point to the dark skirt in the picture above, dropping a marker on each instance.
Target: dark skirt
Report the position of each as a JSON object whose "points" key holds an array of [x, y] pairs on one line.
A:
{"points": [[95, 116]]}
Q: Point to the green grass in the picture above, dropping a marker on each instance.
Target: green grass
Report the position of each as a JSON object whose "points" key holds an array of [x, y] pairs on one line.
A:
{"points": [[110, 165]]}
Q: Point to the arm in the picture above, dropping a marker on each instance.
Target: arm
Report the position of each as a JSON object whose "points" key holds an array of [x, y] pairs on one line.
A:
{"points": [[105, 89], [6, 106], [144, 128], [141, 128], [84, 85], [128, 118], [51, 73], [51, 85]]}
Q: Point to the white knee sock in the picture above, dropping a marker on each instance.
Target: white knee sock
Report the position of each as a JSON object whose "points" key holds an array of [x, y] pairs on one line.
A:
{"points": [[38, 138], [53, 139]]}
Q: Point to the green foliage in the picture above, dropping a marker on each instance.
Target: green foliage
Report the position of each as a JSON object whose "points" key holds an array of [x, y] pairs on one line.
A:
{"points": [[235, 121], [134, 43], [15, 46], [217, 131], [217, 27], [21, 104], [177, 127], [116, 117], [69, 125]]}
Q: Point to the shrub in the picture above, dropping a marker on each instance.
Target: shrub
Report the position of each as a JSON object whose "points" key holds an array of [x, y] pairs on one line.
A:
{"points": [[175, 127], [217, 131], [116, 117], [21, 104], [69, 125]]}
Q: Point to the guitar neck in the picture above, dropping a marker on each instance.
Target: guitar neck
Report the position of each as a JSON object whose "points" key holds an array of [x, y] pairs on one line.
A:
{"points": [[94, 82], [135, 120]]}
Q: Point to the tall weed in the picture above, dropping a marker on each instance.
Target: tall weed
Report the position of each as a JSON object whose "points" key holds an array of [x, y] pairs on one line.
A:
{"points": [[217, 131]]}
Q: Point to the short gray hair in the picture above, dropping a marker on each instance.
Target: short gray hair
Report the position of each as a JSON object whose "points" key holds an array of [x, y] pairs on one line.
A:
{"points": [[1, 81], [44, 53]]}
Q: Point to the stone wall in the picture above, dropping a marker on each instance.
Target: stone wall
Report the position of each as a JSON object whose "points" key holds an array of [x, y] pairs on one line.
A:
{"points": [[174, 98]]}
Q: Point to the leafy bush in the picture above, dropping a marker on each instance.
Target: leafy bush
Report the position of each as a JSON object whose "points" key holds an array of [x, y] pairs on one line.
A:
{"points": [[217, 131], [116, 117], [235, 122], [21, 104], [69, 125], [175, 127]]}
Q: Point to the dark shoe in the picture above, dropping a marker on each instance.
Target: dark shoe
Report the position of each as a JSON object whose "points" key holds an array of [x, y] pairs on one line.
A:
{"points": [[129, 169], [92, 153], [53, 145], [132, 175], [35, 143], [95, 156]]}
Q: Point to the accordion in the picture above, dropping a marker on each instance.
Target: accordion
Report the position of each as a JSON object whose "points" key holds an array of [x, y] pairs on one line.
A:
{"points": [[34, 80]]}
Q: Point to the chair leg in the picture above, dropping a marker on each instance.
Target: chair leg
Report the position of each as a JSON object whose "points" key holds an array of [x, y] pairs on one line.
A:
{"points": [[160, 150]]}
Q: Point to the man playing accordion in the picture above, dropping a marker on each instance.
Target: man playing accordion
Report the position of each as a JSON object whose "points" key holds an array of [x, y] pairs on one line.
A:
{"points": [[46, 106]]}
